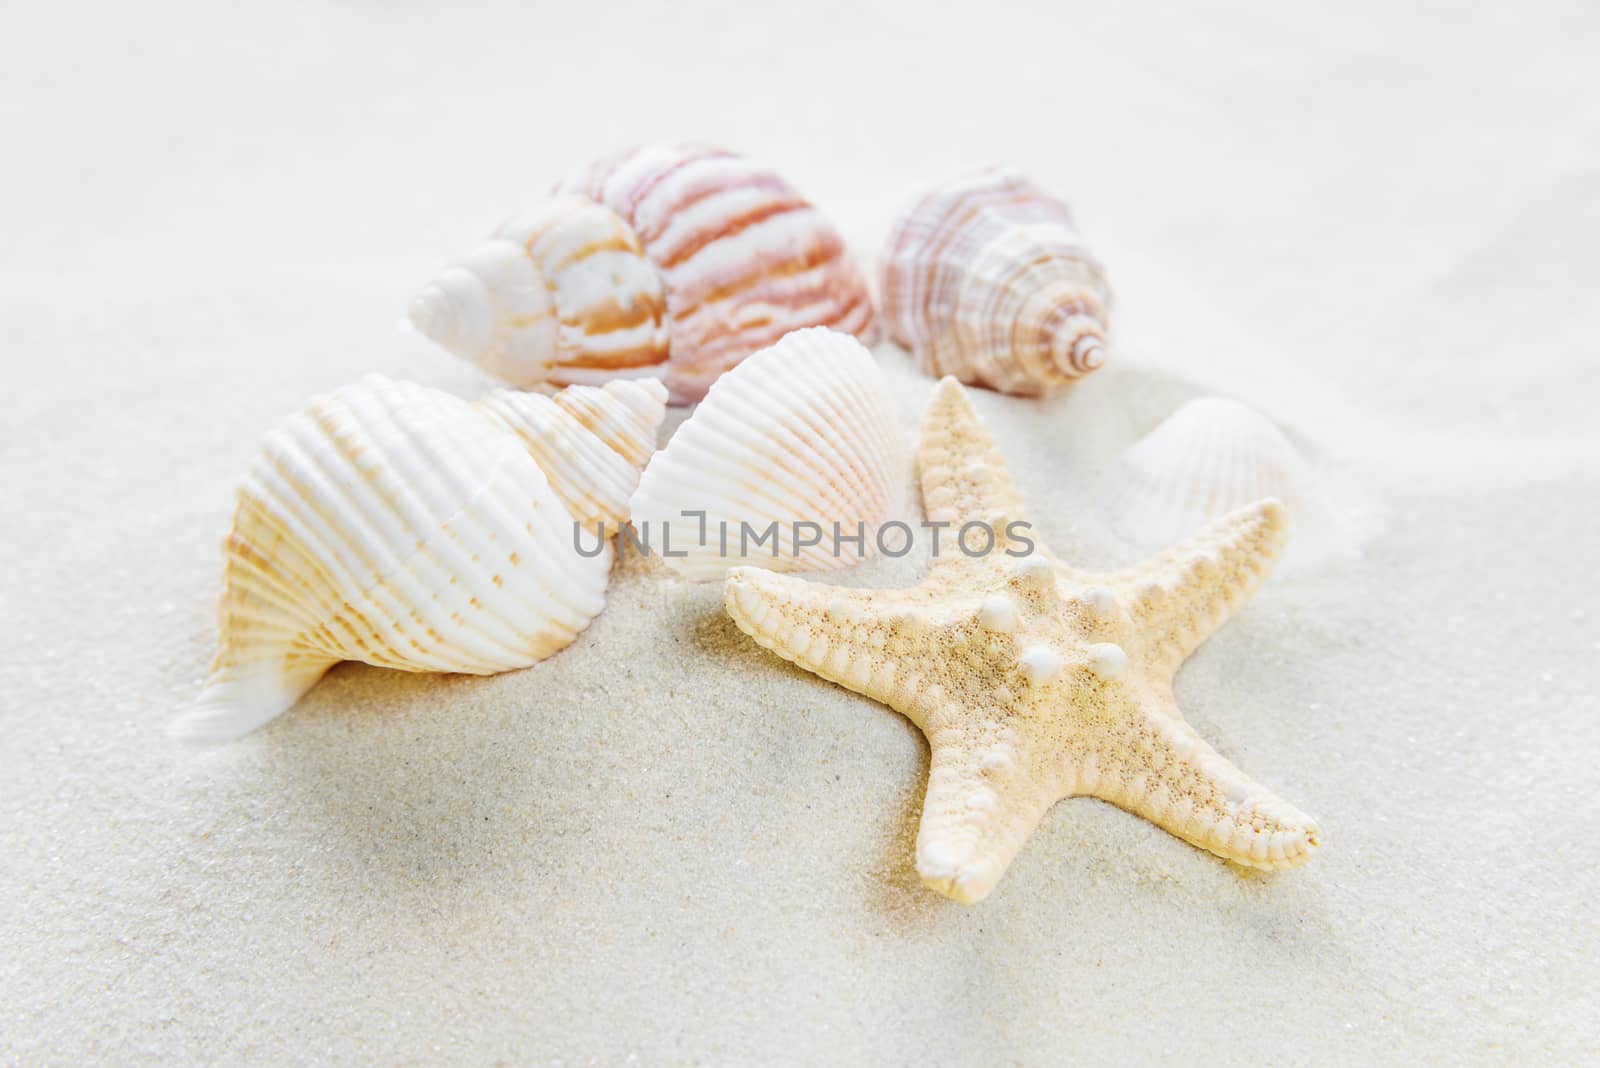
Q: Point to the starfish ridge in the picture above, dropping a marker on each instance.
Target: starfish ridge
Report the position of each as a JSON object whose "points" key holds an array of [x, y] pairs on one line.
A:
{"points": [[1035, 681]]}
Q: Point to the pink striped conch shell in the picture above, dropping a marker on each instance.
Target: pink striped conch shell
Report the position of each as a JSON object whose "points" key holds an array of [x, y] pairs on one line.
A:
{"points": [[409, 529], [986, 278], [667, 261]]}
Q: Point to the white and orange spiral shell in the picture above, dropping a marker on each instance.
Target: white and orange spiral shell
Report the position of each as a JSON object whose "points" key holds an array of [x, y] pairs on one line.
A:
{"points": [[666, 261], [561, 295]]}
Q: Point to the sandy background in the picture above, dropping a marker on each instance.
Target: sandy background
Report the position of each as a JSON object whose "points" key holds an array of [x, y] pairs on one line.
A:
{"points": [[1378, 224]]}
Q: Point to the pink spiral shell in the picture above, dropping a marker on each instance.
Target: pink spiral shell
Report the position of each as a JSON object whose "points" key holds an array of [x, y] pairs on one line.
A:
{"points": [[986, 278], [743, 258]]}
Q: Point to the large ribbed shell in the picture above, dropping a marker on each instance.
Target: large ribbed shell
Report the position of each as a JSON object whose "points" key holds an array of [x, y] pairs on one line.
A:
{"points": [[561, 295], [1212, 456], [986, 278], [743, 258], [799, 432], [403, 527]]}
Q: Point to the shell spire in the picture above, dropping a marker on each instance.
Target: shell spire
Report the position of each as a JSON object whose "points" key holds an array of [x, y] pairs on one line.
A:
{"points": [[986, 278], [590, 442], [666, 261], [560, 295], [406, 528]]}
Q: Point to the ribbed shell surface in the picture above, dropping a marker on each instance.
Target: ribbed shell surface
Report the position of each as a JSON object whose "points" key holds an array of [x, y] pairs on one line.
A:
{"points": [[986, 278], [743, 258], [398, 526], [590, 442], [560, 295], [1200, 463], [799, 432]]}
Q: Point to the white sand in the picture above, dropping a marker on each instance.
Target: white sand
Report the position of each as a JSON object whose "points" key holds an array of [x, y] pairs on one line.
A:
{"points": [[1378, 225]]}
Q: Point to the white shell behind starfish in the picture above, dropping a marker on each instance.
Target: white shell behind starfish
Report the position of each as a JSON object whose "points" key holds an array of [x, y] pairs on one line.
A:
{"points": [[666, 261], [406, 528], [801, 432], [1208, 458], [986, 278]]}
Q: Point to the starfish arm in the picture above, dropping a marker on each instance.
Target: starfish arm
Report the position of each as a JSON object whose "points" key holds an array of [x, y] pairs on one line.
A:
{"points": [[964, 477], [984, 799], [861, 639], [1179, 598], [1163, 771]]}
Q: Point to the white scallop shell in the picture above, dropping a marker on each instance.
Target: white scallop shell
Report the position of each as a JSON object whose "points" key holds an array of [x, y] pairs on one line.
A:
{"points": [[985, 277], [409, 529], [1209, 457], [801, 432]]}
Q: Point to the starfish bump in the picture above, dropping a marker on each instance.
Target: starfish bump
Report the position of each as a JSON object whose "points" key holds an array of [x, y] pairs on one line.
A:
{"points": [[1032, 680]]}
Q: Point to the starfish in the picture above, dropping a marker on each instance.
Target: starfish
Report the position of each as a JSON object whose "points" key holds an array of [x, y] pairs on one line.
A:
{"points": [[1033, 680]]}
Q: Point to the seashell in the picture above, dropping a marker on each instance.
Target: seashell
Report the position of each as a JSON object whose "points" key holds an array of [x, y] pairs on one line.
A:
{"points": [[801, 432], [743, 258], [562, 295], [409, 529], [590, 443], [986, 278], [1208, 458], [670, 261]]}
